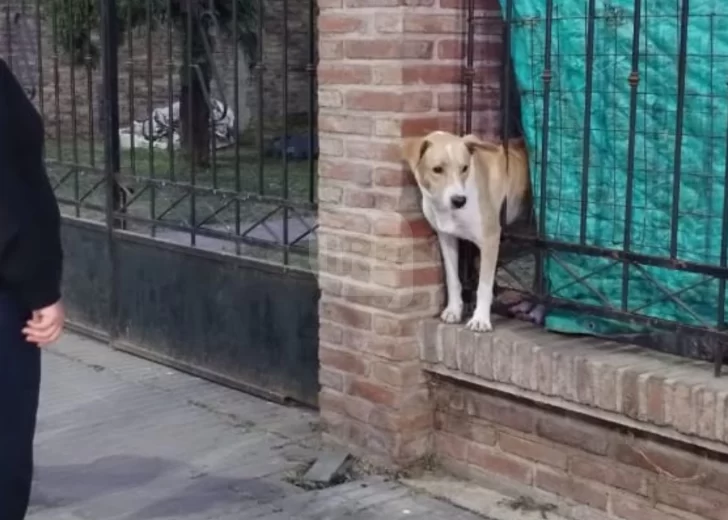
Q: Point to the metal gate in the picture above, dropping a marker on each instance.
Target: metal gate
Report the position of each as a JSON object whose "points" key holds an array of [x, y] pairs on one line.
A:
{"points": [[181, 143]]}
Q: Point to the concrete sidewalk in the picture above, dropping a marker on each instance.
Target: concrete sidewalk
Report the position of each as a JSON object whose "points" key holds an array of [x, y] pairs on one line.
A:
{"points": [[122, 438]]}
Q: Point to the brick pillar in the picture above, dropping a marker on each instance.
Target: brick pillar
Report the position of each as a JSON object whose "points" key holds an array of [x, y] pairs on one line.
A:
{"points": [[388, 69]]}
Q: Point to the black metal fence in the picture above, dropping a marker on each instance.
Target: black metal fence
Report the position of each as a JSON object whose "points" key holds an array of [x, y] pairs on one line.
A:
{"points": [[203, 110], [623, 108], [181, 143]]}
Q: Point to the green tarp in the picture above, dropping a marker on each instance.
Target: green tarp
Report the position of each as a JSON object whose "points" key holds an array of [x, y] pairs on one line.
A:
{"points": [[701, 186]]}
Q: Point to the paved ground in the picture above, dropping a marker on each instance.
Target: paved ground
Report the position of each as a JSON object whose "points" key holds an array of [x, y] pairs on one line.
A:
{"points": [[121, 438]]}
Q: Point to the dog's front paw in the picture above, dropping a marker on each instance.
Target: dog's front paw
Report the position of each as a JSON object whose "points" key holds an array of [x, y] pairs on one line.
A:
{"points": [[452, 314], [480, 323]]}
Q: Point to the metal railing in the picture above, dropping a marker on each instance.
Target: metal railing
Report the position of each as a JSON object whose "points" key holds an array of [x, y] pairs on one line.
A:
{"points": [[203, 112], [624, 113]]}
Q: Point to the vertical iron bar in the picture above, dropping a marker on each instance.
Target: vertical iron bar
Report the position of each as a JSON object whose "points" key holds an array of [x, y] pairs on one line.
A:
{"points": [[150, 110], [634, 80], [284, 102], [56, 82], [236, 103], [170, 94], [212, 122], [311, 70], [720, 346], [191, 120], [546, 78], [39, 49], [74, 124], [469, 71], [110, 66], [586, 135], [8, 37], [506, 75], [260, 69], [130, 91], [90, 90], [681, 70]]}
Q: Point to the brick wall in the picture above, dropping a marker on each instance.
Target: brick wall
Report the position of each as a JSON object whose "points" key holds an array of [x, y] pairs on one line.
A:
{"points": [[63, 103], [388, 69], [616, 471]]}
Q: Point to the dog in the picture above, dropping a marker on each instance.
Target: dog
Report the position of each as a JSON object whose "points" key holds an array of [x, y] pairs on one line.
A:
{"points": [[469, 186]]}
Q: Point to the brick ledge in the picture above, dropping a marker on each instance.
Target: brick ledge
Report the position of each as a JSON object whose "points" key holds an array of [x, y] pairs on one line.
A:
{"points": [[660, 394]]}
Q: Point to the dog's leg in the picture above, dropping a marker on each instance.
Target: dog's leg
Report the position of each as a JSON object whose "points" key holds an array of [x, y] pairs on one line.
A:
{"points": [[480, 322], [453, 313]]}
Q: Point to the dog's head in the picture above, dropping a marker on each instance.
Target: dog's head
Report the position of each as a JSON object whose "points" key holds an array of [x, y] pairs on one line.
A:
{"points": [[441, 163]]}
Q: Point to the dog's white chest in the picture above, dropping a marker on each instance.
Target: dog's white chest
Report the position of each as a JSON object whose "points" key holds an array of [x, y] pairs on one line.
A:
{"points": [[464, 223]]}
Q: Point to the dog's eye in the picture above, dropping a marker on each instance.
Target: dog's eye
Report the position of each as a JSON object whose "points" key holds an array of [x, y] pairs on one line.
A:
{"points": [[437, 169], [465, 168]]}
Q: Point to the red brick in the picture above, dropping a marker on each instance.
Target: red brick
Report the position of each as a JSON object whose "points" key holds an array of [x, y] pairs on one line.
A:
{"points": [[693, 499], [334, 73], [334, 23], [630, 507], [342, 170], [343, 124], [416, 127], [609, 473], [437, 23], [331, 146], [395, 327], [331, 379], [349, 362], [572, 433], [493, 461], [358, 199], [397, 375], [396, 225], [456, 49], [532, 450], [504, 412], [331, 400], [432, 74], [455, 100], [389, 3], [373, 392], [657, 458], [384, 49], [466, 427], [331, 50], [346, 221], [330, 333], [568, 487], [630, 393], [374, 100], [394, 349], [447, 445], [346, 315], [340, 265], [373, 150]]}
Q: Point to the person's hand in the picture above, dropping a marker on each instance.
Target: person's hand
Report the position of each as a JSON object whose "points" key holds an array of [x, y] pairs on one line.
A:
{"points": [[46, 325]]}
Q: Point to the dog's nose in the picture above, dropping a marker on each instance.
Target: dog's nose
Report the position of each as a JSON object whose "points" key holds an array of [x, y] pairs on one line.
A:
{"points": [[458, 201]]}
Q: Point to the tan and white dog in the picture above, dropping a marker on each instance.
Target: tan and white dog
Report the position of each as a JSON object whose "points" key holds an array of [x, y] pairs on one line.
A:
{"points": [[465, 182]]}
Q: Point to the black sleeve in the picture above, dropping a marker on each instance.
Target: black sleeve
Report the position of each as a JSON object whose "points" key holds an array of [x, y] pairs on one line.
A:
{"points": [[31, 257]]}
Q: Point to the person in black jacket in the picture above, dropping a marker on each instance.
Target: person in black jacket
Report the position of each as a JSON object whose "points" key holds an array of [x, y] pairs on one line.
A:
{"points": [[31, 312]]}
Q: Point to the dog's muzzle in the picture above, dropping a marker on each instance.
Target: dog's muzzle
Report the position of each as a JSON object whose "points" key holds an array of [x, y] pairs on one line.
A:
{"points": [[458, 201]]}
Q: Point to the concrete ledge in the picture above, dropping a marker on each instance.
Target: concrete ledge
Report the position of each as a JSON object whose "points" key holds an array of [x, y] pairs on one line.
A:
{"points": [[659, 394]]}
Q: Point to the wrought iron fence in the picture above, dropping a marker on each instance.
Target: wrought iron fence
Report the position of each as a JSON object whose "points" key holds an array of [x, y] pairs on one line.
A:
{"points": [[190, 121], [623, 107]]}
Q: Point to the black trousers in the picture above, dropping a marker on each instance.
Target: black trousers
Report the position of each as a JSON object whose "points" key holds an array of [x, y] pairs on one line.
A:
{"points": [[19, 389]]}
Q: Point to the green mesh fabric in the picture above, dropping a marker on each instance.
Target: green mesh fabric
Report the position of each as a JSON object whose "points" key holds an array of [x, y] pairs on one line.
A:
{"points": [[598, 281]]}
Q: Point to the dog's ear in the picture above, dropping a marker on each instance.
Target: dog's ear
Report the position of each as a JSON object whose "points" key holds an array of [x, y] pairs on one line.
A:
{"points": [[413, 148], [475, 143]]}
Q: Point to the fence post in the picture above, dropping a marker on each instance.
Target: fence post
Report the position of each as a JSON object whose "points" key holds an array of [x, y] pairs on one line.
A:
{"points": [[112, 153], [386, 71]]}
